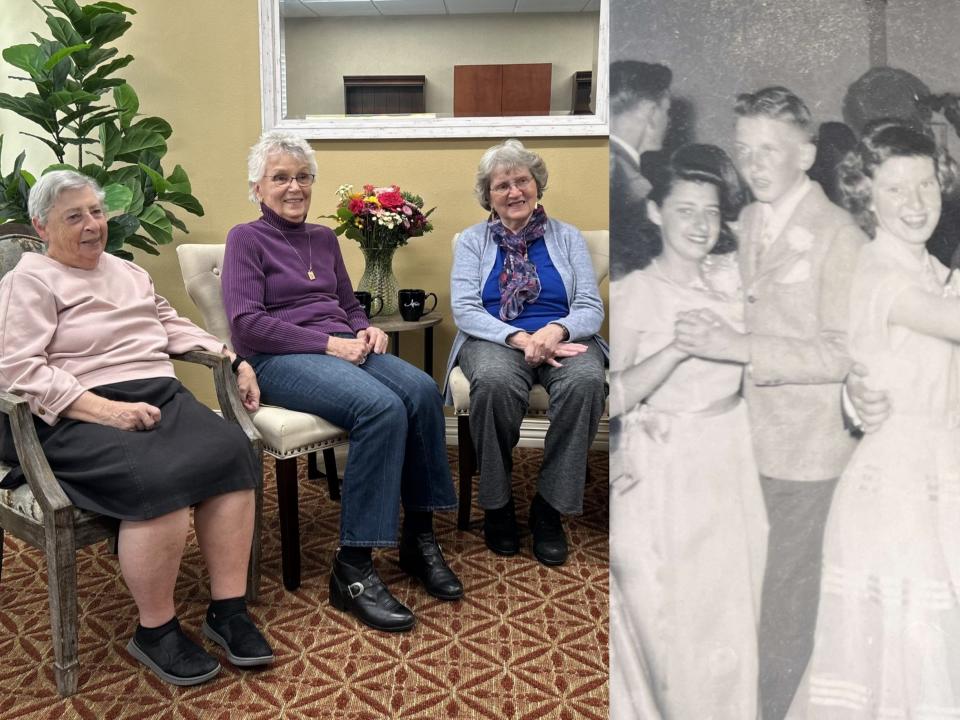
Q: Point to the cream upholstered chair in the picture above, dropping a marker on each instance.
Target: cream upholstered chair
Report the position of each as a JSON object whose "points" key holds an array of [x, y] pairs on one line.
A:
{"points": [[598, 242], [40, 514], [287, 434]]}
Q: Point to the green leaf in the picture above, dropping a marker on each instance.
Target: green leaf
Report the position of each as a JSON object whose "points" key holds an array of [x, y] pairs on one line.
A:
{"points": [[57, 149], [118, 197], [62, 98], [127, 103], [110, 140], [104, 70], [88, 59], [186, 201], [64, 31], [159, 184], [95, 119], [135, 142], [157, 224], [154, 124], [58, 166], [119, 228], [175, 221], [178, 181], [138, 201], [70, 9], [126, 174], [97, 173], [109, 7], [61, 54], [107, 27], [26, 57], [143, 243]]}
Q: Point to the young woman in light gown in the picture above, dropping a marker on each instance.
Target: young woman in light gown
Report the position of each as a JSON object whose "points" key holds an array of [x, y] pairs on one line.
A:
{"points": [[687, 519], [887, 643]]}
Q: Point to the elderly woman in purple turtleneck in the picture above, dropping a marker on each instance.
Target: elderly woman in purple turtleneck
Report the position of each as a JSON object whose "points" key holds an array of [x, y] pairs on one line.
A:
{"points": [[294, 318]]}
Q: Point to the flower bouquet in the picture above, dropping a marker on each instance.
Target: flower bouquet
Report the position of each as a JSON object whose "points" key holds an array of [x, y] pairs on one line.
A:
{"points": [[381, 219]]}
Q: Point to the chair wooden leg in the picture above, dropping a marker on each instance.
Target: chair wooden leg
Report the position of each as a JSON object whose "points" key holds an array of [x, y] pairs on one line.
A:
{"points": [[333, 479], [62, 588], [288, 506], [253, 570], [467, 461], [313, 470]]}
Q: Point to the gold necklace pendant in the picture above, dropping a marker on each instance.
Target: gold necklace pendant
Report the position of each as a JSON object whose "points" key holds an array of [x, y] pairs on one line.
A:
{"points": [[310, 275]]}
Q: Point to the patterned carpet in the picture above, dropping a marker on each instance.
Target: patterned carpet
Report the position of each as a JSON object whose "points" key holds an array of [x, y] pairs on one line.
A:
{"points": [[526, 642]]}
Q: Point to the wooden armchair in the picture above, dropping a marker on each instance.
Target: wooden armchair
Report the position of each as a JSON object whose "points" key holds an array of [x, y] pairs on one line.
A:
{"points": [[40, 513]]}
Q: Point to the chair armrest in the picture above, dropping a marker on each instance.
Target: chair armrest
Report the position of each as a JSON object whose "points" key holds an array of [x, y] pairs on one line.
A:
{"points": [[228, 396], [44, 485]]}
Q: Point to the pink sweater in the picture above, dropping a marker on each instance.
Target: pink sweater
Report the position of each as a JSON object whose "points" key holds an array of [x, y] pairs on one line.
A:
{"points": [[64, 330]]}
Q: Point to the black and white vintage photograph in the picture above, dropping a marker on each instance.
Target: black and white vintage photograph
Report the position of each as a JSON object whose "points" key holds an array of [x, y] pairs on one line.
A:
{"points": [[785, 424]]}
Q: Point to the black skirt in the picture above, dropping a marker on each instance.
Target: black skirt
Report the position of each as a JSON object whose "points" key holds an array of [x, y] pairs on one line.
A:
{"points": [[191, 455]]}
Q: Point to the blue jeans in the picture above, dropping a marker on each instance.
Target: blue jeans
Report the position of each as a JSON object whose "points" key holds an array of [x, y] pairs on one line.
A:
{"points": [[394, 414]]}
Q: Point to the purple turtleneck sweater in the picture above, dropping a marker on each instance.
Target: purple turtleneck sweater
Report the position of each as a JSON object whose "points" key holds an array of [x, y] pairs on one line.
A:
{"points": [[272, 306]]}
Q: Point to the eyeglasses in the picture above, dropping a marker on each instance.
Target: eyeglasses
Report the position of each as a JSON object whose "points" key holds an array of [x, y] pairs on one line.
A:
{"points": [[303, 179], [519, 183]]}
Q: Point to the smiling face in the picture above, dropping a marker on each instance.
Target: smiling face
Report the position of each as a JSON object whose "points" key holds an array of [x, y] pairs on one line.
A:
{"points": [[906, 198], [772, 155], [288, 200], [689, 221], [513, 196], [76, 229]]}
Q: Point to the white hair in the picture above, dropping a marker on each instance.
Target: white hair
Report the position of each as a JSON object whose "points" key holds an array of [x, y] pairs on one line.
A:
{"points": [[48, 189], [276, 142], [508, 155]]}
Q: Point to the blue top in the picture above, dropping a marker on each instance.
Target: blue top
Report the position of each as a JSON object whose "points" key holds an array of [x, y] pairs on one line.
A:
{"points": [[552, 304]]}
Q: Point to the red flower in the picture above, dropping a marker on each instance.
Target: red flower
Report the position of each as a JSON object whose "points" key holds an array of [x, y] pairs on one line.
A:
{"points": [[368, 189], [391, 200], [355, 206]]}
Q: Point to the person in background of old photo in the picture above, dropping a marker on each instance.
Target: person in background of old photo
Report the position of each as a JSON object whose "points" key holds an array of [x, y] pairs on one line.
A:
{"points": [[887, 643], [687, 520]]}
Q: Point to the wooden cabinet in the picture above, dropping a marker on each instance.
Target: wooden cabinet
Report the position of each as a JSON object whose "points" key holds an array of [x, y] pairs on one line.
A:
{"points": [[501, 90], [582, 85], [383, 94]]}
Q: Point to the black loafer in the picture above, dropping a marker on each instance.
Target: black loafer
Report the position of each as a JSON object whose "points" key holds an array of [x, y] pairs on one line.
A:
{"points": [[362, 592], [421, 557], [549, 539], [176, 658], [500, 530], [245, 645]]}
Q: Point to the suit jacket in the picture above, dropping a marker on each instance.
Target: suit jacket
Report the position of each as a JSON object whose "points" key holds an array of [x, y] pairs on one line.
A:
{"points": [[797, 297], [628, 193]]}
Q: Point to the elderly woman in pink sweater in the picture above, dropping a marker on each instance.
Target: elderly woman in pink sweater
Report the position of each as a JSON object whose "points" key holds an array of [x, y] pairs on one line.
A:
{"points": [[86, 341]]}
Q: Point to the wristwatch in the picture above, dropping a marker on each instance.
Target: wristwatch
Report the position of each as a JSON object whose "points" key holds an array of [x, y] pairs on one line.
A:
{"points": [[235, 365]]}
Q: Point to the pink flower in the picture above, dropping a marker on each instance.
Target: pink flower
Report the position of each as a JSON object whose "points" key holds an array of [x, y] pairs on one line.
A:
{"points": [[391, 199], [355, 206]]}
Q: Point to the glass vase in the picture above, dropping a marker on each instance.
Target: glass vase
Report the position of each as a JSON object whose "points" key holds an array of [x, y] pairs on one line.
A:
{"points": [[378, 278]]}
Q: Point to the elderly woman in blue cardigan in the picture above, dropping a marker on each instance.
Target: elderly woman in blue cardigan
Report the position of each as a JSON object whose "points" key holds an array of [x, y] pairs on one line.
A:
{"points": [[528, 311]]}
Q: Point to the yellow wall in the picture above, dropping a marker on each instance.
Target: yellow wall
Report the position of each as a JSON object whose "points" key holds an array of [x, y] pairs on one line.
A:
{"points": [[197, 66]]}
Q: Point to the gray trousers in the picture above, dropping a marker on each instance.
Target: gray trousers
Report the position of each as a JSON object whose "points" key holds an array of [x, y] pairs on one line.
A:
{"points": [[500, 383], [797, 513]]}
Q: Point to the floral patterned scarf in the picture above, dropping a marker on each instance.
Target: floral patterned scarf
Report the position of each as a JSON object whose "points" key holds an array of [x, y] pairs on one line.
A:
{"points": [[518, 281]]}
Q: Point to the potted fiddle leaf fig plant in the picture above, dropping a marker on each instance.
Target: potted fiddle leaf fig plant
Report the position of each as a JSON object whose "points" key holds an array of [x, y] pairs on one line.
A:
{"points": [[90, 119]]}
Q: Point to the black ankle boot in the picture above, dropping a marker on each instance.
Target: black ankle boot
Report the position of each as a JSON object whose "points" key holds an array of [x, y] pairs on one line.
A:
{"points": [[362, 592], [549, 540], [500, 530], [420, 556]]}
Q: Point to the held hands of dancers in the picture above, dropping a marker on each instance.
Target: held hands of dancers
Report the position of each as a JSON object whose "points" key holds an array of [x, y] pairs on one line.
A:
{"points": [[870, 407], [703, 333]]}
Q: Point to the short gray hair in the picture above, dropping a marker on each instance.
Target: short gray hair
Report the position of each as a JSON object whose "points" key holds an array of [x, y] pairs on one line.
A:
{"points": [[48, 189], [508, 155], [276, 141]]}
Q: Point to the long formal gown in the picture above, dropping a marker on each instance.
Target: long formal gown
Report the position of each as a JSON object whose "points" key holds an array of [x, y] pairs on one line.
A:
{"points": [[687, 519], [887, 643]]}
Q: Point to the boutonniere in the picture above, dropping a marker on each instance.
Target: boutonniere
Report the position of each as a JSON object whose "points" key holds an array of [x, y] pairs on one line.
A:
{"points": [[799, 240]]}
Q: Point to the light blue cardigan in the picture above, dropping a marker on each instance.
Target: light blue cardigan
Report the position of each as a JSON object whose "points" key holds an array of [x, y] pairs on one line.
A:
{"points": [[473, 260]]}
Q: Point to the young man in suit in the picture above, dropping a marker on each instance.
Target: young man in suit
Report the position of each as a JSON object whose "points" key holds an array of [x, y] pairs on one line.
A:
{"points": [[797, 254], [639, 109]]}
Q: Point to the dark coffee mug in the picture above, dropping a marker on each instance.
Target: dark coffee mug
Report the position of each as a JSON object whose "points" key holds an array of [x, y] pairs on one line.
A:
{"points": [[367, 300], [412, 303]]}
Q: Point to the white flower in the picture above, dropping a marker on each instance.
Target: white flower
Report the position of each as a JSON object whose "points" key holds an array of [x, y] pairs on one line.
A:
{"points": [[344, 191]]}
